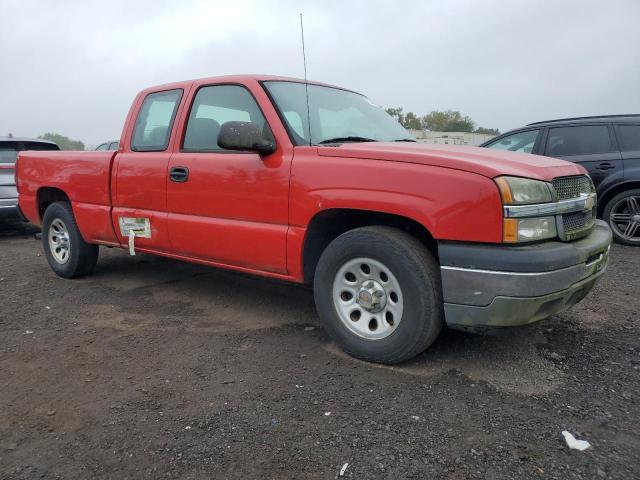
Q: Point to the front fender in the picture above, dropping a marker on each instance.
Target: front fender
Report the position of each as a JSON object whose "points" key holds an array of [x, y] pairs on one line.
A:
{"points": [[451, 204]]}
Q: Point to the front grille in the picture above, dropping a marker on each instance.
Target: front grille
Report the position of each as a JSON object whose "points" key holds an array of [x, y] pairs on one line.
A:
{"points": [[571, 187], [574, 225], [577, 222]]}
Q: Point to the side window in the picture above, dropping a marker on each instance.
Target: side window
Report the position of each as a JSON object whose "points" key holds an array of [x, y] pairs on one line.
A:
{"points": [[629, 136], [583, 140], [518, 142], [113, 146], [102, 146], [212, 107], [155, 119]]}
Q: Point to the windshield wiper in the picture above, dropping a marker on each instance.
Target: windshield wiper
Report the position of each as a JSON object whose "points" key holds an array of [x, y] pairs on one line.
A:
{"points": [[405, 140], [347, 139]]}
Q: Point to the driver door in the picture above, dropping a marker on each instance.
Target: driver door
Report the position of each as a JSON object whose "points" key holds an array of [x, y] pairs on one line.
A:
{"points": [[227, 207]]}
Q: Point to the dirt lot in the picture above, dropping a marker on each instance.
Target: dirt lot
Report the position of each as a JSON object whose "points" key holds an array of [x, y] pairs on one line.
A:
{"points": [[152, 368]]}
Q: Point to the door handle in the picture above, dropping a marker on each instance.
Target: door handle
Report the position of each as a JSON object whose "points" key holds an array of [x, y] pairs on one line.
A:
{"points": [[605, 166], [179, 174]]}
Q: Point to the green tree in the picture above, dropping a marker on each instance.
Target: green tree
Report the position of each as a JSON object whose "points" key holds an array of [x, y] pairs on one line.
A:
{"points": [[487, 131], [65, 143], [447, 121], [412, 121]]}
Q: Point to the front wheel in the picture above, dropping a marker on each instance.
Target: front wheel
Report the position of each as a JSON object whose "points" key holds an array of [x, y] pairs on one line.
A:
{"points": [[66, 251], [622, 213], [378, 294]]}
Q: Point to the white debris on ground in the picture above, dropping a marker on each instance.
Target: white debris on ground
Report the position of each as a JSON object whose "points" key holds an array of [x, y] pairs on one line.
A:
{"points": [[574, 444], [343, 469], [28, 332], [327, 414]]}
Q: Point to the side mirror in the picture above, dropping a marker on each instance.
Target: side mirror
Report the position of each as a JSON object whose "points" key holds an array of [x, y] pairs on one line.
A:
{"points": [[245, 136]]}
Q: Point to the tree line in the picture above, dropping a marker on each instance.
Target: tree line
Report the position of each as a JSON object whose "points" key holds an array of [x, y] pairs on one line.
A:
{"points": [[439, 121], [65, 143]]}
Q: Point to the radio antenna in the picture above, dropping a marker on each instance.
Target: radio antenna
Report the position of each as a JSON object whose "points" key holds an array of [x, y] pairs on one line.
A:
{"points": [[306, 84]]}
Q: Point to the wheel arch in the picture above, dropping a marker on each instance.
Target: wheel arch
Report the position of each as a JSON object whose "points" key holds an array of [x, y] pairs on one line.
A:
{"points": [[48, 195], [613, 191], [327, 225]]}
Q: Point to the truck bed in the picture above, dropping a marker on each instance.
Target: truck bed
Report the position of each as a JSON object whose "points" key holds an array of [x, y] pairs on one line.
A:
{"points": [[85, 179]]}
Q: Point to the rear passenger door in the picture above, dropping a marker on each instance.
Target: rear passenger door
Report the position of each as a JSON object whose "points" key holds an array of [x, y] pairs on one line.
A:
{"points": [[593, 146], [140, 170], [629, 142]]}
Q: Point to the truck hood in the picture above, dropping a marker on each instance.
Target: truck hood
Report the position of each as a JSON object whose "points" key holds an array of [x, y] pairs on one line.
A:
{"points": [[483, 161]]}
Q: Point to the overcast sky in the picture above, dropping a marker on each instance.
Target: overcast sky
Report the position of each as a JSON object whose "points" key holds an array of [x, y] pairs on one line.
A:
{"points": [[73, 67]]}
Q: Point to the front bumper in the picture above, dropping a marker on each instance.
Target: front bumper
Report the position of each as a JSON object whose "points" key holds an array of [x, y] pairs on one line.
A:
{"points": [[491, 286]]}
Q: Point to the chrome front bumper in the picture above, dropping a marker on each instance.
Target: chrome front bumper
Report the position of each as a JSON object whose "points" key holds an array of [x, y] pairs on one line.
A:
{"points": [[511, 286]]}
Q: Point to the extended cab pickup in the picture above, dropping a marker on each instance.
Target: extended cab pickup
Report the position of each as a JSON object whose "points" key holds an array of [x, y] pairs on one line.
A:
{"points": [[314, 184]]}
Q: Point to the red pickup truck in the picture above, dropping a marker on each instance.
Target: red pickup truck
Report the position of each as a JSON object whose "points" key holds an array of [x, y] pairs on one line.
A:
{"points": [[314, 184]]}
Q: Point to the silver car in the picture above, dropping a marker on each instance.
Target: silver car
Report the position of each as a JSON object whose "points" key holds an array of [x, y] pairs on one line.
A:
{"points": [[9, 148]]}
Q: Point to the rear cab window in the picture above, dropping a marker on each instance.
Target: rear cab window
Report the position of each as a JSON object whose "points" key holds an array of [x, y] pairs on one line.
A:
{"points": [[8, 152], [153, 126]]}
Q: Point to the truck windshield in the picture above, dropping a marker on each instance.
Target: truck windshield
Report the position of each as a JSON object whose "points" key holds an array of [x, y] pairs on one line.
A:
{"points": [[336, 116]]}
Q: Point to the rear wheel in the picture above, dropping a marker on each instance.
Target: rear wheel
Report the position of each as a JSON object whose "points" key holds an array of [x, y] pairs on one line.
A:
{"points": [[66, 251], [622, 213], [378, 294]]}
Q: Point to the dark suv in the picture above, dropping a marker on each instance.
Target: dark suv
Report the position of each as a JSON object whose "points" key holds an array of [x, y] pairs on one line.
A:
{"points": [[607, 146]]}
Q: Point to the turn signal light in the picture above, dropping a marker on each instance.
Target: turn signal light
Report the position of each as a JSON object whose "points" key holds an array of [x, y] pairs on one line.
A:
{"points": [[510, 230]]}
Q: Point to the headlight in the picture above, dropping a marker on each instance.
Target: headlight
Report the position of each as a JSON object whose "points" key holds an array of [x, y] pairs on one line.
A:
{"points": [[523, 191], [529, 229]]}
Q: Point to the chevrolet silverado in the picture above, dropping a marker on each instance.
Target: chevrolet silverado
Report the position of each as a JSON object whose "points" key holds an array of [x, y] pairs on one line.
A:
{"points": [[314, 184]]}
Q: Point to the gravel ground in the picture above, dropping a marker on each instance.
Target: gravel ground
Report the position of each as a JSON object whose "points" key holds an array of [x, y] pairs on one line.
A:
{"points": [[152, 368]]}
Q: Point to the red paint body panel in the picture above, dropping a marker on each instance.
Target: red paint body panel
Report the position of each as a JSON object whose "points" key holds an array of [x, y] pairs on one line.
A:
{"points": [[234, 208], [469, 159], [451, 204], [140, 190], [250, 213], [83, 176]]}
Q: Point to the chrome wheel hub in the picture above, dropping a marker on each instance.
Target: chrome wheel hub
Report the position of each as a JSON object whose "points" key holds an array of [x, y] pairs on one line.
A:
{"points": [[368, 298], [625, 218], [59, 244], [372, 296]]}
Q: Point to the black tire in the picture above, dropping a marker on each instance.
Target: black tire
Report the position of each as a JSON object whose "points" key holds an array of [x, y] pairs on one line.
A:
{"points": [[418, 276], [614, 206], [81, 257]]}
